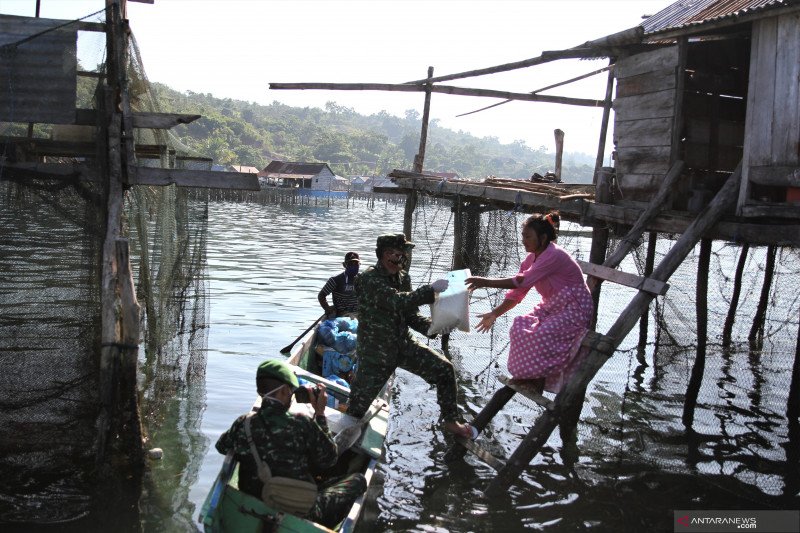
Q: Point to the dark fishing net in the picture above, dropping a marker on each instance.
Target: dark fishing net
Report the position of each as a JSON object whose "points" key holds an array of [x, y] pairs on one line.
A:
{"points": [[51, 232], [632, 417]]}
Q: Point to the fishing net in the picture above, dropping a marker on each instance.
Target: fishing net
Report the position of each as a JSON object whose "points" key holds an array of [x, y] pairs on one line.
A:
{"points": [[52, 228], [631, 420]]}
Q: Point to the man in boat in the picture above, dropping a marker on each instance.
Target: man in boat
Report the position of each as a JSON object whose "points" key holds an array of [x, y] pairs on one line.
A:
{"points": [[341, 286], [388, 307], [292, 445]]}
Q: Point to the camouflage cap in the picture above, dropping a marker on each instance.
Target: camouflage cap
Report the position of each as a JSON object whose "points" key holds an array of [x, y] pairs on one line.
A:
{"points": [[278, 370], [394, 240]]}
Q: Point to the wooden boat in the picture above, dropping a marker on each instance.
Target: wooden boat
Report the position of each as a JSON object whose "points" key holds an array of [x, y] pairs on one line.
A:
{"points": [[227, 509]]}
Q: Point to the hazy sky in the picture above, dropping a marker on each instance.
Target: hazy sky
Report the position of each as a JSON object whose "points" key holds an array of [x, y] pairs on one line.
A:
{"points": [[235, 48]]}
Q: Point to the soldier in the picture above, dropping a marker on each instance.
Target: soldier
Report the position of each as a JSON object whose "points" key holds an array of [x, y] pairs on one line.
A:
{"points": [[387, 308], [291, 445]]}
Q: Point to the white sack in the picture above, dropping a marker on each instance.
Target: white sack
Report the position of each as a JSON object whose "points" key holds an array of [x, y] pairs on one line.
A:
{"points": [[450, 309]]}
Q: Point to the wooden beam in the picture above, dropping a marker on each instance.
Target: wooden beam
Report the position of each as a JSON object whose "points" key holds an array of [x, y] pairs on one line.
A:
{"points": [[193, 178], [162, 121], [49, 171], [445, 89], [527, 389], [776, 176], [546, 57], [771, 211], [481, 453], [624, 278]]}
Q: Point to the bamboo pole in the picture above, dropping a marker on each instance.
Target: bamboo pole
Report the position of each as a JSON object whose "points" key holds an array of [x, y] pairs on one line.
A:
{"points": [[701, 306], [574, 389], [553, 86], [444, 89]]}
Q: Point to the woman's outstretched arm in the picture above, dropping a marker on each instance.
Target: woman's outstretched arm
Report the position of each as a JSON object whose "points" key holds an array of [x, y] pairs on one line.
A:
{"points": [[487, 319], [476, 282]]}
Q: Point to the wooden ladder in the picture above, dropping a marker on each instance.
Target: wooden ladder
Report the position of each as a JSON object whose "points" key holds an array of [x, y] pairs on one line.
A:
{"points": [[601, 347]]}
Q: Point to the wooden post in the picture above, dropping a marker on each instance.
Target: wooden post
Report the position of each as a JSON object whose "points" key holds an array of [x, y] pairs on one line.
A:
{"points": [[559, 135], [574, 389], [649, 262], [601, 147], [119, 346], [756, 336], [458, 234], [793, 401], [419, 161], [737, 290], [597, 253], [701, 306]]}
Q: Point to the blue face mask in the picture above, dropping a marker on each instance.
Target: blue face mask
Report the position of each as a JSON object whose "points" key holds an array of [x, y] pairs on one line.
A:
{"points": [[352, 270]]}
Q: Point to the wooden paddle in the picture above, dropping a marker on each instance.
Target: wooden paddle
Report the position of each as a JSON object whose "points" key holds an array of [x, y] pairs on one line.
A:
{"points": [[348, 436], [286, 349]]}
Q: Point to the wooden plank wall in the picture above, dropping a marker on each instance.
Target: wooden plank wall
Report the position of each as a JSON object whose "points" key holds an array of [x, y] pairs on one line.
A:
{"points": [[773, 108], [38, 80], [644, 110]]}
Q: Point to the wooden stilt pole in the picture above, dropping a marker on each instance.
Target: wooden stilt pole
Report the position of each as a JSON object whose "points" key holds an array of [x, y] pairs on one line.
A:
{"points": [[737, 290], [574, 389], [701, 306], [793, 401], [756, 336], [652, 240]]}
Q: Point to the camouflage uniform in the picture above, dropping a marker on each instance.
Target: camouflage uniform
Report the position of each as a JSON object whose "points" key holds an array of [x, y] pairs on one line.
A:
{"points": [[387, 308], [292, 445]]}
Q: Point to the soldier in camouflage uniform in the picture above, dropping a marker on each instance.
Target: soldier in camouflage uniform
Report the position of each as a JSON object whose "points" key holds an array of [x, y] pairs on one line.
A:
{"points": [[387, 308], [293, 445]]}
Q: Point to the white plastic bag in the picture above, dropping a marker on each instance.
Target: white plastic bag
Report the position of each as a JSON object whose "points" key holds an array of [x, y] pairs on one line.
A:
{"points": [[450, 309]]}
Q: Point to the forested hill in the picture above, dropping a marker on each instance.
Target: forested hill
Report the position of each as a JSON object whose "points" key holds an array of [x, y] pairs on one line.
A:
{"points": [[243, 133]]}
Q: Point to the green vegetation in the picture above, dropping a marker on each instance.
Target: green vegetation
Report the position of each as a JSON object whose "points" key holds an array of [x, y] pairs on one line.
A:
{"points": [[243, 133]]}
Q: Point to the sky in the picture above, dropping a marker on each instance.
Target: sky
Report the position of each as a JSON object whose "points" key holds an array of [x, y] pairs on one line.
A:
{"points": [[235, 48]]}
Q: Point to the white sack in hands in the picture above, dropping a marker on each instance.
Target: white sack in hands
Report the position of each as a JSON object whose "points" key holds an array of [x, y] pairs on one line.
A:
{"points": [[450, 309]]}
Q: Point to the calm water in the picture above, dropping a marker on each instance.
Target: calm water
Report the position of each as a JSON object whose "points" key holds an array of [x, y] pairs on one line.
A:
{"points": [[266, 265]]}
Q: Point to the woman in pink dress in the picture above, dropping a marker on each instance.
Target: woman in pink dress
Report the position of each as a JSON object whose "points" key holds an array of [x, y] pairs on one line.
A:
{"points": [[544, 343]]}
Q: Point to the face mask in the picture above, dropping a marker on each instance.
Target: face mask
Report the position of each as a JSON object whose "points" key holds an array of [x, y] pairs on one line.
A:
{"points": [[351, 270]]}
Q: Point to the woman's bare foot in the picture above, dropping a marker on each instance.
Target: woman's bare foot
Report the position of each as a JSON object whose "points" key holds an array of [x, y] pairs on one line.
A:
{"points": [[461, 430]]}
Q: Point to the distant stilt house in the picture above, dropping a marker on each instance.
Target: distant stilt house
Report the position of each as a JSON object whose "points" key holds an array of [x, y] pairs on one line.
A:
{"points": [[315, 179], [357, 183]]}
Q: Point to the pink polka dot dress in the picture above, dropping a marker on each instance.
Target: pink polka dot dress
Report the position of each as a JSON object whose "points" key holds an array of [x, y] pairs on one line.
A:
{"points": [[546, 342]]}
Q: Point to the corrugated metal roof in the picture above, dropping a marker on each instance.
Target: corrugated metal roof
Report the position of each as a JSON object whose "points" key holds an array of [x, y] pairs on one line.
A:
{"points": [[305, 170], [695, 12]]}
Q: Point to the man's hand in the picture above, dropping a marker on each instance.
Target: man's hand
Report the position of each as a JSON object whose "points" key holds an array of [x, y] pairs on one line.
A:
{"points": [[330, 313], [440, 285], [322, 400]]}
